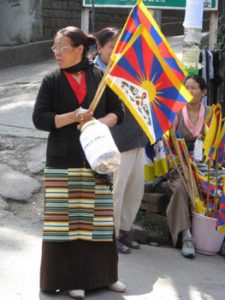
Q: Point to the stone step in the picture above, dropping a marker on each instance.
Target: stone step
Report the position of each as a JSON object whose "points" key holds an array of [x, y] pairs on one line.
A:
{"points": [[155, 203], [152, 229]]}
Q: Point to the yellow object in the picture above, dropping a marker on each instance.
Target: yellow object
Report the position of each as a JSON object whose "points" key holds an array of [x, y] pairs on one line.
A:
{"points": [[212, 131], [200, 206], [149, 173]]}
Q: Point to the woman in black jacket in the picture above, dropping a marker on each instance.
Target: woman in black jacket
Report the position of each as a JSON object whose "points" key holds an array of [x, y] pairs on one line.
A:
{"points": [[78, 250]]}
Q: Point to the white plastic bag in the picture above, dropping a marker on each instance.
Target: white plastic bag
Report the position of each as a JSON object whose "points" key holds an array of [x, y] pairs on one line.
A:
{"points": [[99, 147], [198, 150]]}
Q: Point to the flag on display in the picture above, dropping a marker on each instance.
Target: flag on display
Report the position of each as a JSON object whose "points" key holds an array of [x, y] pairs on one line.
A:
{"points": [[140, 15], [221, 147], [147, 85], [148, 163], [212, 132], [160, 160], [220, 224], [206, 184]]}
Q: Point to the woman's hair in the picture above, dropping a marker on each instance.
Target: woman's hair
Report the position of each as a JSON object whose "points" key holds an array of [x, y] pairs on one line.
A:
{"points": [[78, 37], [106, 34], [200, 80]]}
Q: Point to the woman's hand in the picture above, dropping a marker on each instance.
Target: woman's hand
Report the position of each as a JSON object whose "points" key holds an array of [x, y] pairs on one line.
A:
{"points": [[80, 115], [83, 116], [110, 119]]}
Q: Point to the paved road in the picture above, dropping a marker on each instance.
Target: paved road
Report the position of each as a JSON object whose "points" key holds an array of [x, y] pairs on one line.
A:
{"points": [[151, 273], [18, 87]]}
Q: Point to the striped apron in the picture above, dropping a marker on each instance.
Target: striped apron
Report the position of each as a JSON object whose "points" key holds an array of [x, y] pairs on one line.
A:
{"points": [[78, 205]]}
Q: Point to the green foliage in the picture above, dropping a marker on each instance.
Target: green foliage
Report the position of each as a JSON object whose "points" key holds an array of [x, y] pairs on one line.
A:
{"points": [[155, 226], [221, 33]]}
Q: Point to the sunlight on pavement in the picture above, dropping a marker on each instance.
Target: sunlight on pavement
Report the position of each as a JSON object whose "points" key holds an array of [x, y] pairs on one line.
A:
{"points": [[10, 106], [195, 294], [19, 263], [163, 289]]}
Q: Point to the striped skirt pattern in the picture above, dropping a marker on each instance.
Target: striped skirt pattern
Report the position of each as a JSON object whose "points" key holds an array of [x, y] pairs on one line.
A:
{"points": [[78, 205]]}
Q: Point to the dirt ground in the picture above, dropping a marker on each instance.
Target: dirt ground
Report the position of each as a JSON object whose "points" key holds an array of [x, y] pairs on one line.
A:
{"points": [[16, 152]]}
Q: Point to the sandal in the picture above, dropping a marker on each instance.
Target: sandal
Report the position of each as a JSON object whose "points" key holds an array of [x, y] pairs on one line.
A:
{"points": [[121, 248], [129, 242]]}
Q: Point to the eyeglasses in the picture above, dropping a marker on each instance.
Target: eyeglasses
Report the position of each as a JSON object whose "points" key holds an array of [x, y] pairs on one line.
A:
{"points": [[59, 49]]}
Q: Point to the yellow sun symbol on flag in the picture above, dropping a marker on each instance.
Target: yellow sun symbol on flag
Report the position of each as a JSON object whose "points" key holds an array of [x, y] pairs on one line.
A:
{"points": [[150, 88]]}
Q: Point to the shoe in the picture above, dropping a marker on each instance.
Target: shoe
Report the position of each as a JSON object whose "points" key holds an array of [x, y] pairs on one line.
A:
{"points": [[121, 248], [117, 286], [76, 294], [129, 242], [188, 249]]}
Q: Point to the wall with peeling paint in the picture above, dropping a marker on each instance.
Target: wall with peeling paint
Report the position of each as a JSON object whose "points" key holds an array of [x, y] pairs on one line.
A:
{"points": [[20, 21]]}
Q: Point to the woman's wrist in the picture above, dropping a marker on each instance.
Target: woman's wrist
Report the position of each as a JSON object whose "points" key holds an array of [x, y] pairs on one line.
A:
{"points": [[75, 116]]}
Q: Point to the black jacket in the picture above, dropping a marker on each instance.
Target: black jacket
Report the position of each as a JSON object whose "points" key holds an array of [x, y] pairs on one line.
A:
{"points": [[128, 135], [55, 96]]}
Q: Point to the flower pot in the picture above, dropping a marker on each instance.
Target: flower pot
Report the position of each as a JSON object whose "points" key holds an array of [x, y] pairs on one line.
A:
{"points": [[207, 239]]}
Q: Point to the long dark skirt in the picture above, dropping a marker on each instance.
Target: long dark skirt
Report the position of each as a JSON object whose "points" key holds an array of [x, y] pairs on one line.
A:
{"points": [[78, 265]]}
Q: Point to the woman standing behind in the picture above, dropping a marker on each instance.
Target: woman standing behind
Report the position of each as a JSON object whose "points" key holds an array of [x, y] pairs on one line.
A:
{"points": [[189, 123], [78, 249], [128, 179], [106, 40]]}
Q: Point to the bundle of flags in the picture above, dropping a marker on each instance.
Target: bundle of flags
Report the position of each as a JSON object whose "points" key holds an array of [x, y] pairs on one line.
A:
{"points": [[204, 189], [146, 74], [220, 224], [214, 141], [156, 164], [208, 185]]}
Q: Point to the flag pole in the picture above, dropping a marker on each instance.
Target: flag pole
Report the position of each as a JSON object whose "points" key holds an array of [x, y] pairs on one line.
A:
{"points": [[187, 184], [102, 84], [100, 89], [193, 182], [216, 196], [177, 168], [207, 195]]}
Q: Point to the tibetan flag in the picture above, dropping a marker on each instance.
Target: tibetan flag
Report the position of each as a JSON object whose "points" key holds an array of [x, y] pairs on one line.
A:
{"points": [[213, 150], [220, 224], [208, 118], [221, 148], [172, 142], [182, 145], [168, 139], [156, 164], [147, 86], [206, 184], [212, 131], [161, 167], [140, 15], [148, 163], [171, 154]]}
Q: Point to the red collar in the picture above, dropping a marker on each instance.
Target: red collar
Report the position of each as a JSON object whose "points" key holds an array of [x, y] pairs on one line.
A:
{"points": [[78, 88]]}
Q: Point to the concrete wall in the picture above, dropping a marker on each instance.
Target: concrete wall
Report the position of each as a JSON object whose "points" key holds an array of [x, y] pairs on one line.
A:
{"points": [[36, 19], [24, 21], [20, 21]]}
